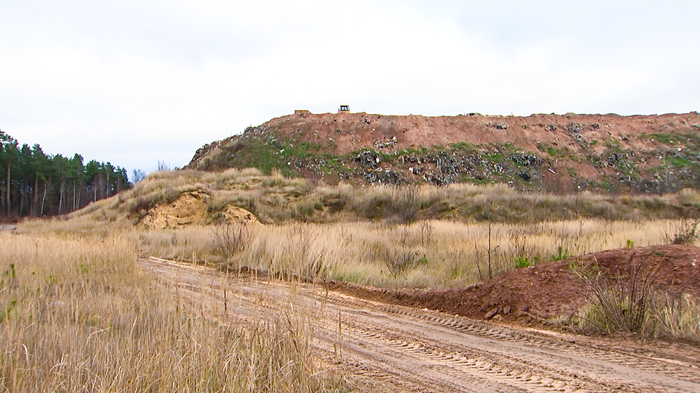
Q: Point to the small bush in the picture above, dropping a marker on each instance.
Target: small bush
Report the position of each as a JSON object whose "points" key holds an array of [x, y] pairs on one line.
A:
{"points": [[619, 303], [230, 239], [400, 260]]}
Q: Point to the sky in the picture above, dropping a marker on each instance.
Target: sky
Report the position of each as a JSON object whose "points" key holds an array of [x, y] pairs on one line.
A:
{"points": [[138, 82]]}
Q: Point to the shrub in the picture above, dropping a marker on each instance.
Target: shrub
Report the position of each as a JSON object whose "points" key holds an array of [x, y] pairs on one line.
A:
{"points": [[401, 259], [619, 303], [230, 239]]}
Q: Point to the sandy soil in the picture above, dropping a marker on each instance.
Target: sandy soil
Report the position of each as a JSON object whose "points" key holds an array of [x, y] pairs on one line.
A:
{"points": [[390, 348], [191, 209]]}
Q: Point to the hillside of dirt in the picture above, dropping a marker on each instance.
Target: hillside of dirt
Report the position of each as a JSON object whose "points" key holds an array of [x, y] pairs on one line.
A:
{"points": [[553, 290], [544, 152]]}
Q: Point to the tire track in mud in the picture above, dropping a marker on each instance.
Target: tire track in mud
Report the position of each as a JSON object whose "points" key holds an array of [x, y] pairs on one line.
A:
{"points": [[406, 349]]}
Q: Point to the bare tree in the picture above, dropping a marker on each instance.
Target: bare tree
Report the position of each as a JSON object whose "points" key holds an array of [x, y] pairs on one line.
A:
{"points": [[138, 175], [162, 166]]}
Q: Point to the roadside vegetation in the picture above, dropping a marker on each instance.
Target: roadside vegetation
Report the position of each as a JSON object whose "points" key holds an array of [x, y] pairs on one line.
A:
{"points": [[427, 254], [628, 302], [76, 315]]}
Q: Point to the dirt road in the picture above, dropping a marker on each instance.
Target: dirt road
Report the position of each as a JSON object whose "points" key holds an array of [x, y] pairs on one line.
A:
{"points": [[390, 348]]}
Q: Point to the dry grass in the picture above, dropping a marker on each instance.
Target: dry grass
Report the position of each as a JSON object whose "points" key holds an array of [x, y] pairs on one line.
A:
{"points": [[630, 304], [676, 317], [77, 315], [355, 233], [276, 199], [437, 254]]}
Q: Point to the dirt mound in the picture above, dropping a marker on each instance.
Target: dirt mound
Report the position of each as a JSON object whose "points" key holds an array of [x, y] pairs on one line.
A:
{"points": [[569, 152], [549, 290], [191, 209], [353, 131]]}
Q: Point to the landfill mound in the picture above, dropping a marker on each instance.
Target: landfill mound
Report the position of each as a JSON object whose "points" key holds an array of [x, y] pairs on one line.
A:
{"points": [[541, 152]]}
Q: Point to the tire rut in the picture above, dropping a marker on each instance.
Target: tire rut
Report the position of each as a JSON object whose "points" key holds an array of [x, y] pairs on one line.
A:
{"points": [[683, 371], [420, 350]]}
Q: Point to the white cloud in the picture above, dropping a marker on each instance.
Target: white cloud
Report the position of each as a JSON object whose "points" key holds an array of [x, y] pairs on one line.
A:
{"points": [[137, 82]]}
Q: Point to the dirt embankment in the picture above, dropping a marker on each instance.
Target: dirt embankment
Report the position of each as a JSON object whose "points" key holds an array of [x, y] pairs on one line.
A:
{"points": [[550, 290], [191, 209], [543, 152]]}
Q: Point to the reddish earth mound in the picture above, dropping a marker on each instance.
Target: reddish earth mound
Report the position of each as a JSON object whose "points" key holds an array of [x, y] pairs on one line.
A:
{"points": [[567, 153], [553, 289], [353, 131]]}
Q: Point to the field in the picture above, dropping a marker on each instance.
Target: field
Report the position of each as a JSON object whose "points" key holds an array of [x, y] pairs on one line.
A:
{"points": [[78, 315], [81, 313]]}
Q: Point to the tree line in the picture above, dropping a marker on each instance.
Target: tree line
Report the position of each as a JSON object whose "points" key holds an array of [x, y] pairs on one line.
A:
{"points": [[33, 183]]}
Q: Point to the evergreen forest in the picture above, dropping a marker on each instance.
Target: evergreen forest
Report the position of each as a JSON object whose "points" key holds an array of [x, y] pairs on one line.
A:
{"points": [[33, 183]]}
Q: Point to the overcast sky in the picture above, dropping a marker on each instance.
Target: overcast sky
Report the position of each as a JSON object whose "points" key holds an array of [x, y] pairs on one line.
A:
{"points": [[135, 82]]}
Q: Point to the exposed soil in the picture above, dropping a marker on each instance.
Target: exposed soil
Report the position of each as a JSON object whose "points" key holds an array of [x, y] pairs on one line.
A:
{"points": [[353, 131], [550, 290], [540, 152], [391, 348], [191, 209]]}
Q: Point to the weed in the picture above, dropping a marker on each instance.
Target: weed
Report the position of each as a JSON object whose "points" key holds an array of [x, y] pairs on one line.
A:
{"points": [[426, 232], [521, 262], [684, 231], [676, 317], [399, 260], [561, 254]]}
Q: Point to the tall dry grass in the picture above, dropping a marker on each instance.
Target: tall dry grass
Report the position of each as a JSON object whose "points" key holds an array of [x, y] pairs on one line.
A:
{"points": [[276, 199], [77, 315], [437, 254]]}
